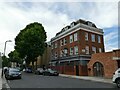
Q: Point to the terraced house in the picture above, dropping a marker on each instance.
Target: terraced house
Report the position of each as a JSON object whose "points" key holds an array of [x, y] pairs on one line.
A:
{"points": [[73, 46]]}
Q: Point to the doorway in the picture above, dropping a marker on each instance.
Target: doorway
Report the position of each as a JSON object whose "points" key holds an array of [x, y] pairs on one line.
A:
{"points": [[118, 62], [77, 70], [98, 69]]}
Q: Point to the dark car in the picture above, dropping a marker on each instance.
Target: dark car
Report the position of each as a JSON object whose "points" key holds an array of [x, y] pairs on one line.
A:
{"points": [[39, 71], [28, 70], [12, 73], [50, 72]]}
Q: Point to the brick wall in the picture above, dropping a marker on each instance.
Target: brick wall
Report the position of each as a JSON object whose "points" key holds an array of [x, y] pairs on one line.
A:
{"points": [[106, 59], [71, 70], [83, 70]]}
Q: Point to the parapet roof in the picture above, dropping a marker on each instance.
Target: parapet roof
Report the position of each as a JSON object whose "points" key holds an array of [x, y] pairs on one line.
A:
{"points": [[75, 23]]}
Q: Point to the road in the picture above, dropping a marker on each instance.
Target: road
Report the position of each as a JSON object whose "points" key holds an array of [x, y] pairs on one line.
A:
{"points": [[38, 81]]}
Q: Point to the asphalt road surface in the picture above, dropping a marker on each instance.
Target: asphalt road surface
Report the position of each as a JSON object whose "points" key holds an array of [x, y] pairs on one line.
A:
{"points": [[39, 81]]}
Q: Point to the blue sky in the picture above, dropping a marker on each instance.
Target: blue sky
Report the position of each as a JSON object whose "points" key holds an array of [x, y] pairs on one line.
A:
{"points": [[56, 15]]}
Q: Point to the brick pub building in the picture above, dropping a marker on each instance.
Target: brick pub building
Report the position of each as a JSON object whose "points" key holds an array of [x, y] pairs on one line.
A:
{"points": [[73, 46]]}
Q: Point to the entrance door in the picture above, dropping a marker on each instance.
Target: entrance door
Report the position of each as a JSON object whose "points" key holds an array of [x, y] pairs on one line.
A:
{"points": [[118, 62], [98, 69], [77, 70]]}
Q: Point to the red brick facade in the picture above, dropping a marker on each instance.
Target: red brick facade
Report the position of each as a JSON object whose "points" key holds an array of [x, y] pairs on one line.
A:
{"points": [[106, 59], [81, 43], [75, 45]]}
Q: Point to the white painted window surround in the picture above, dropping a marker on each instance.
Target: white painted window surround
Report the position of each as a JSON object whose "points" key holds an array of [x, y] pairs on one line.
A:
{"points": [[87, 49], [71, 38], [75, 36], [93, 37], [86, 36], [94, 49], [76, 50], [100, 50], [71, 51], [99, 39]]}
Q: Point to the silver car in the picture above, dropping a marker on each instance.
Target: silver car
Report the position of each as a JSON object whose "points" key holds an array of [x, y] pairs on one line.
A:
{"points": [[12, 73], [39, 71]]}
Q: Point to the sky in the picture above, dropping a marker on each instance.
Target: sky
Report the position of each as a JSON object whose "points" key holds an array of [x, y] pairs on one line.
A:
{"points": [[54, 15]]}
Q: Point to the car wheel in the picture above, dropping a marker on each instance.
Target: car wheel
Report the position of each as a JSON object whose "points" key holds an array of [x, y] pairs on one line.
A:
{"points": [[5, 76], [44, 74], [8, 77], [118, 83]]}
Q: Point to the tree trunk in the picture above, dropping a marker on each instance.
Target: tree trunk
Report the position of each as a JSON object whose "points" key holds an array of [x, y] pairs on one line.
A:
{"points": [[41, 61], [36, 64], [33, 66]]}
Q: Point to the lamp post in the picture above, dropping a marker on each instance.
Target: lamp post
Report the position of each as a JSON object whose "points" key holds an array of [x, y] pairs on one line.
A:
{"points": [[5, 46]]}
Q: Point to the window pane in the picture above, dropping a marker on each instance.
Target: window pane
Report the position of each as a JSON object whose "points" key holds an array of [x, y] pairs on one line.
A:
{"points": [[65, 41], [71, 38], [86, 36], [99, 39], [61, 42], [55, 45], [94, 49], [100, 50], [75, 37], [87, 49], [93, 37], [71, 51], [76, 50]]}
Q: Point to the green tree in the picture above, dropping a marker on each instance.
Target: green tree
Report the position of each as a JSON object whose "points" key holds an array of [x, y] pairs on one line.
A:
{"points": [[14, 57], [30, 42], [5, 62]]}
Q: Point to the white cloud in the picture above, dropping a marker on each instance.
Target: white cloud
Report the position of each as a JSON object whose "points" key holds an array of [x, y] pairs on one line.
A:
{"points": [[14, 19], [103, 14], [110, 36], [59, 1], [111, 41], [15, 16]]}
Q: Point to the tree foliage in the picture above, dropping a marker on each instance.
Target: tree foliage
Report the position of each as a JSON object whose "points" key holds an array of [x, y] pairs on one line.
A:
{"points": [[30, 42], [5, 62], [14, 57]]}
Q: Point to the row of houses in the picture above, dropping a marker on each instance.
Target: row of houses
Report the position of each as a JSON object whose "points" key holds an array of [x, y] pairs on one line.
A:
{"points": [[78, 49]]}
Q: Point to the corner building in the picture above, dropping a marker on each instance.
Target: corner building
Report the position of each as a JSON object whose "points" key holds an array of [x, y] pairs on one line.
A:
{"points": [[73, 46]]}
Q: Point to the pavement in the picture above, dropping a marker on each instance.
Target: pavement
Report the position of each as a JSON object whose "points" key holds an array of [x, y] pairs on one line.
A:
{"points": [[97, 79], [3, 81], [0, 79]]}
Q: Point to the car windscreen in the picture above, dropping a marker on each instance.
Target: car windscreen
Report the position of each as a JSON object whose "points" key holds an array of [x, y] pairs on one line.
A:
{"points": [[14, 70]]}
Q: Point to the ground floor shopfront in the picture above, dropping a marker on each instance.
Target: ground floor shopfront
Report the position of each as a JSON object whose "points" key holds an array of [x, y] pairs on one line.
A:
{"points": [[75, 65], [99, 65]]}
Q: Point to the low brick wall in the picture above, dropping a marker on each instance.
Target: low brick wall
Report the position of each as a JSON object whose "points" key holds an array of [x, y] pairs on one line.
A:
{"points": [[71, 70]]}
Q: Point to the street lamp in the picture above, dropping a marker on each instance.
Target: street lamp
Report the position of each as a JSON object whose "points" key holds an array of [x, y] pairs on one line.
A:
{"points": [[5, 46]]}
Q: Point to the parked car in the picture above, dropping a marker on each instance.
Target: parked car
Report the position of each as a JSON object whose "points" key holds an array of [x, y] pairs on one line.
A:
{"points": [[12, 73], [28, 70], [39, 71], [116, 77], [50, 72], [18, 68]]}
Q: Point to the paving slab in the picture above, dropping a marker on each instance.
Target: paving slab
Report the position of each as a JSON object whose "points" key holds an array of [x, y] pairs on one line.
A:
{"points": [[98, 79]]}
